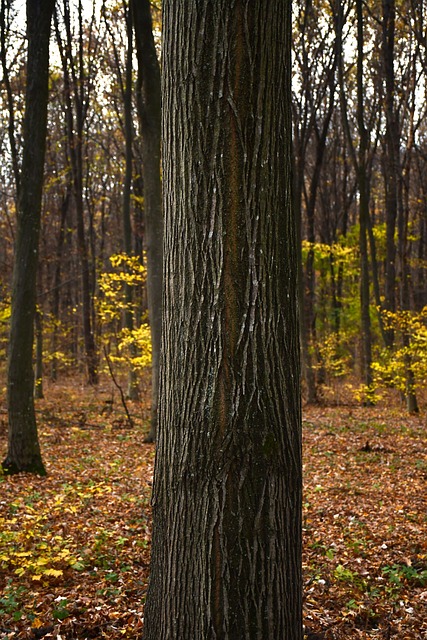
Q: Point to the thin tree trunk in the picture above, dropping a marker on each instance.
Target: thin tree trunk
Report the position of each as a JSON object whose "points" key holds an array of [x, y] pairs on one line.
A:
{"points": [[38, 385], [359, 161], [132, 391], [307, 359], [149, 108], [403, 247], [56, 294], [375, 278], [74, 92], [227, 489], [363, 212], [23, 446], [391, 158], [9, 97]]}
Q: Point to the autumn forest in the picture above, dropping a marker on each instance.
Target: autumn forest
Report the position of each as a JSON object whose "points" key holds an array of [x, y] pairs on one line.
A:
{"points": [[212, 215]]}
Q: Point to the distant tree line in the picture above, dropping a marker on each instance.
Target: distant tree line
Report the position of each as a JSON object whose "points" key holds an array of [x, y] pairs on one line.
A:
{"points": [[360, 148]]}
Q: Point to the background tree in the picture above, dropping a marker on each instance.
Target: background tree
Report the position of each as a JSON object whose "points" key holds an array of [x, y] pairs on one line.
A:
{"points": [[227, 490], [78, 84], [23, 447], [149, 110]]}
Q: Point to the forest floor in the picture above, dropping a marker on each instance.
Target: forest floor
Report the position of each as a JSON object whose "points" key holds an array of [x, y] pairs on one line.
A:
{"points": [[75, 546]]}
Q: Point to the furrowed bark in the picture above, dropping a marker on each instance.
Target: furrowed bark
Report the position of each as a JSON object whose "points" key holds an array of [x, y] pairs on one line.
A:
{"points": [[227, 491]]}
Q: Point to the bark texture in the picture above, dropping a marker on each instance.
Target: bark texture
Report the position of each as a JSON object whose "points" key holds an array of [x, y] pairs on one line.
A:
{"points": [[23, 447], [227, 490]]}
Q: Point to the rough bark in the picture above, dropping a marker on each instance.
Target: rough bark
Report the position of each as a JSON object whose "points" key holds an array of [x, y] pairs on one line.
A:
{"points": [[227, 489], [23, 447], [149, 109]]}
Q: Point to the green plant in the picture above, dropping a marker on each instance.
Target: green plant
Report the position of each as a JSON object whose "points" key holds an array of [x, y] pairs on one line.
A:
{"points": [[61, 612], [357, 545], [344, 574], [10, 601], [398, 574], [112, 576]]}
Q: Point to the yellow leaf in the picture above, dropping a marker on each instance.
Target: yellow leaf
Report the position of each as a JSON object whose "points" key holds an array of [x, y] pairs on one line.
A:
{"points": [[53, 572], [42, 561], [37, 623], [37, 577]]}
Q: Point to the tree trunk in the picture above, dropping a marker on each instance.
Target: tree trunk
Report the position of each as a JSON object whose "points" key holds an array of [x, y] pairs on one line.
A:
{"points": [[391, 158], [227, 490], [57, 281], [306, 352], [363, 213], [76, 93], [133, 390], [404, 246], [149, 108], [375, 278], [9, 95], [38, 385], [23, 447]]}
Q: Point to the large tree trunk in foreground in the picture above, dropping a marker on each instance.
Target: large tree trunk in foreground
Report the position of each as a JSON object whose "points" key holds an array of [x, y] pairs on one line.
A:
{"points": [[227, 489], [23, 446]]}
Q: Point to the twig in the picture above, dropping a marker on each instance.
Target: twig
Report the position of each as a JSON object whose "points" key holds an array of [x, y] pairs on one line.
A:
{"points": [[122, 395]]}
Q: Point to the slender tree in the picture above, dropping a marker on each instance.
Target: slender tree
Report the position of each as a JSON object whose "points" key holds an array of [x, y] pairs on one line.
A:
{"points": [[363, 184], [227, 490], [5, 8], [77, 93], [149, 109], [23, 447], [391, 161], [359, 159]]}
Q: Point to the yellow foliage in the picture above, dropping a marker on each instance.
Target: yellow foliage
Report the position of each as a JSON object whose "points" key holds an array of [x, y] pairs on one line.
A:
{"points": [[333, 358], [133, 347], [391, 366]]}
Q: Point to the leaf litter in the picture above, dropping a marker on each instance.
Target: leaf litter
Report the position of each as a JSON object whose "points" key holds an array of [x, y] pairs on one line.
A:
{"points": [[75, 546]]}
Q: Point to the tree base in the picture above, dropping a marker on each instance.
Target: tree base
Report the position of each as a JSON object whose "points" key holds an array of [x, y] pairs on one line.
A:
{"points": [[10, 468]]}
